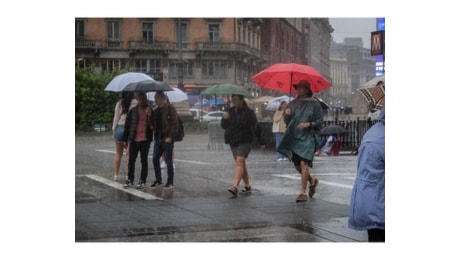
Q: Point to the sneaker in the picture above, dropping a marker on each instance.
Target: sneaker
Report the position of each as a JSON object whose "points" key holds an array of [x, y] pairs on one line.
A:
{"points": [[301, 198], [156, 184], [140, 185], [246, 189], [115, 177], [169, 185], [233, 190], [163, 165], [127, 184]]}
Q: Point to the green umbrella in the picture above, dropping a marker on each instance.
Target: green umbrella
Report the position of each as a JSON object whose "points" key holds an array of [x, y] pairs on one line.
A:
{"points": [[226, 89]]}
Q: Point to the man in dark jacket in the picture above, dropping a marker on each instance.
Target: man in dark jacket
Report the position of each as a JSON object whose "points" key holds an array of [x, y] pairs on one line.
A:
{"points": [[139, 135], [165, 122]]}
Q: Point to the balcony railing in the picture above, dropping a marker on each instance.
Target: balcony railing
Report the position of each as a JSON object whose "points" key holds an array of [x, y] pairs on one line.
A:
{"points": [[224, 46], [150, 45], [81, 43], [113, 44], [177, 45]]}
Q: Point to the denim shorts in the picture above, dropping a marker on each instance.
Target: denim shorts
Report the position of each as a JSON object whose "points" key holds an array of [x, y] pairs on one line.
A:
{"points": [[119, 133], [241, 150]]}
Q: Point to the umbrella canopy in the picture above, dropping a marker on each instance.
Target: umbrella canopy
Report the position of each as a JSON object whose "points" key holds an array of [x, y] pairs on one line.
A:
{"points": [[118, 83], [282, 77], [226, 89], [373, 82], [324, 105], [262, 99], [333, 130], [375, 96], [148, 86], [274, 104], [174, 96]]}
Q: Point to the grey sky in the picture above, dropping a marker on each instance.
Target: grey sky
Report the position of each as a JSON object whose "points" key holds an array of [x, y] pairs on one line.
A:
{"points": [[353, 27]]}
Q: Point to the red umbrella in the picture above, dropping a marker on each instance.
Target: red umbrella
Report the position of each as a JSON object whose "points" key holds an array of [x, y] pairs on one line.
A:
{"points": [[282, 76]]}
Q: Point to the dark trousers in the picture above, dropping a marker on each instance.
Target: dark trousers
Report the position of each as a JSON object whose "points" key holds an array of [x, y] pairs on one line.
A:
{"points": [[161, 147], [134, 149], [376, 235]]}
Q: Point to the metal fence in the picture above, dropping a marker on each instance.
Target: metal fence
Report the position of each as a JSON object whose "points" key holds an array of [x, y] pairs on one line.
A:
{"points": [[350, 140]]}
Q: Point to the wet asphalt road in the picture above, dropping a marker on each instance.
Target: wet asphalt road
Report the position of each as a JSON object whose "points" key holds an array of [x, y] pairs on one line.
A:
{"points": [[202, 176]]}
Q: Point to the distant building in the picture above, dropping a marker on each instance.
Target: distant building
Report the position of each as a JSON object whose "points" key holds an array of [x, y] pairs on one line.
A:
{"points": [[351, 66]]}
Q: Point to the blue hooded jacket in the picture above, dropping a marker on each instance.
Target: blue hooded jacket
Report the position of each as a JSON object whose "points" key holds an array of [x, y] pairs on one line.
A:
{"points": [[367, 204]]}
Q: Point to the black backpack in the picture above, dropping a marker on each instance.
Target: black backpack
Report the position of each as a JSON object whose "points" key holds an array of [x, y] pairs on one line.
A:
{"points": [[180, 131]]}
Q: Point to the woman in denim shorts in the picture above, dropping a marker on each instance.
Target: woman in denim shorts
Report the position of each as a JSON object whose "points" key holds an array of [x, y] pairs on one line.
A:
{"points": [[118, 126]]}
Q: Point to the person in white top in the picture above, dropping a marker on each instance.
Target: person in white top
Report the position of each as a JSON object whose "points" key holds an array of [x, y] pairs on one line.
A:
{"points": [[279, 127], [122, 107]]}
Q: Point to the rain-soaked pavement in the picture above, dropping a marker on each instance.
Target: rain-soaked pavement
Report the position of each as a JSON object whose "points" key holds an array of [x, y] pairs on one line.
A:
{"points": [[199, 208]]}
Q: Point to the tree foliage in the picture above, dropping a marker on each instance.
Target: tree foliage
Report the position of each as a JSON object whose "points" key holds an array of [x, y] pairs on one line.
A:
{"points": [[92, 104]]}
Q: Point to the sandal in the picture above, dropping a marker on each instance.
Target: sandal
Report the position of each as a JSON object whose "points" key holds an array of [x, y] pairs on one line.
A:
{"points": [[246, 189], [301, 198], [312, 188], [233, 190]]}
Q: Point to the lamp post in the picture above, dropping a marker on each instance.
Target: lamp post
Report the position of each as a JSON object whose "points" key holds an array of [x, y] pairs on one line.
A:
{"points": [[180, 72]]}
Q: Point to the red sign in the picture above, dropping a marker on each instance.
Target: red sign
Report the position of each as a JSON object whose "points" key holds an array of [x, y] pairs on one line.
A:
{"points": [[377, 43]]}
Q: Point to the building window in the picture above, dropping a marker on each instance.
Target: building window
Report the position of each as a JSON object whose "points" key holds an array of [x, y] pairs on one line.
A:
{"points": [[79, 29], [113, 30], [214, 69], [184, 30], [113, 34], [109, 65], [174, 70], [148, 66], [147, 32], [214, 33]]}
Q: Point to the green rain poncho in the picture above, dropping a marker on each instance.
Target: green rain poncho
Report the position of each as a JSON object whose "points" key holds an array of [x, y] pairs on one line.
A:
{"points": [[302, 142]]}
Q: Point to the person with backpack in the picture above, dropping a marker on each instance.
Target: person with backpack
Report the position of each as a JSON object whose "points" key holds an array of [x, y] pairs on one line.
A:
{"points": [[165, 123]]}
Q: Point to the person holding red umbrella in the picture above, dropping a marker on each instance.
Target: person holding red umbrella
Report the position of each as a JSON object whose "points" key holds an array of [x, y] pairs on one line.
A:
{"points": [[304, 118]]}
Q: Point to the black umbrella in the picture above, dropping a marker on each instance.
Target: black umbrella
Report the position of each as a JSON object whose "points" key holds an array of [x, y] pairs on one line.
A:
{"points": [[148, 86], [333, 130]]}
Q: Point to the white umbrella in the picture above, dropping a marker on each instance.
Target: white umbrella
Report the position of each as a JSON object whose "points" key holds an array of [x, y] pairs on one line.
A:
{"points": [[118, 83], [275, 103], [174, 96]]}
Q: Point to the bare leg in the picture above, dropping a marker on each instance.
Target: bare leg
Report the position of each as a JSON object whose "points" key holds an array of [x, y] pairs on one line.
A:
{"points": [[240, 165], [127, 159], [118, 155], [305, 175], [245, 175]]}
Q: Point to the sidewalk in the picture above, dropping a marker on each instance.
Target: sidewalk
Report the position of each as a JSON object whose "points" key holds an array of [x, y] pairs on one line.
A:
{"points": [[198, 209], [247, 218]]}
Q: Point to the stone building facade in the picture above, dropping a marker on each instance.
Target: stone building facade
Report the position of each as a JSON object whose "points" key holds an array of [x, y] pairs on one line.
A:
{"points": [[200, 52]]}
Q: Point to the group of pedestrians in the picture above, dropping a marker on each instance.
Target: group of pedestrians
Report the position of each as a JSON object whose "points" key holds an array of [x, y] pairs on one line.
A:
{"points": [[297, 131], [136, 125], [141, 126]]}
